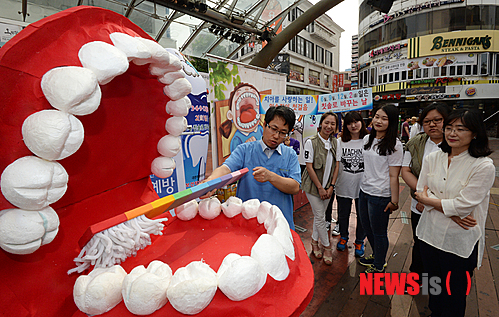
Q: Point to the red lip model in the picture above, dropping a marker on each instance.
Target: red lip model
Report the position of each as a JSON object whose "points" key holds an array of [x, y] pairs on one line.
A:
{"points": [[109, 174]]}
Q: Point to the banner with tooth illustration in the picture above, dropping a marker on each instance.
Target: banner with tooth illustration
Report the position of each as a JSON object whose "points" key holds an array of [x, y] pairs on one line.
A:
{"points": [[235, 90], [191, 160]]}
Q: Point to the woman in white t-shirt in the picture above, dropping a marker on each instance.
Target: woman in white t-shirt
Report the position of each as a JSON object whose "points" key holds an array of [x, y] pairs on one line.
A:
{"points": [[347, 176], [455, 182], [379, 188], [319, 153]]}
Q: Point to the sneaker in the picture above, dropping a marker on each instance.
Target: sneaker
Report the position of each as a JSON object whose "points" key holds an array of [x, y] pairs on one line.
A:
{"points": [[369, 261], [342, 245], [336, 230], [373, 269], [359, 249], [328, 226]]}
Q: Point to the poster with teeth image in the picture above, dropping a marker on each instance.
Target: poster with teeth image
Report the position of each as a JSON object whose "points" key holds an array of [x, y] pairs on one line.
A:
{"points": [[236, 92], [191, 159]]}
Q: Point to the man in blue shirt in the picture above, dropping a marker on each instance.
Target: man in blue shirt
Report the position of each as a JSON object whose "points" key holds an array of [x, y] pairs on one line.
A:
{"points": [[276, 171]]}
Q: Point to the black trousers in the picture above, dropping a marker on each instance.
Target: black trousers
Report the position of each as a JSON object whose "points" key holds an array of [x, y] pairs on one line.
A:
{"points": [[439, 263], [417, 262]]}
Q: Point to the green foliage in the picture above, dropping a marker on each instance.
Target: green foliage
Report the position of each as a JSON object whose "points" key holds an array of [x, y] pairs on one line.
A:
{"points": [[200, 64], [221, 77]]}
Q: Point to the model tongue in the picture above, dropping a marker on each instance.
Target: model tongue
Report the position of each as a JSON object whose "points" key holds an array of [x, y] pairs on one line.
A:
{"points": [[248, 114]]}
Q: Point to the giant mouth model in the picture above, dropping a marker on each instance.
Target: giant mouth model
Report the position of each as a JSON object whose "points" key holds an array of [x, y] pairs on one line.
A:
{"points": [[109, 174]]}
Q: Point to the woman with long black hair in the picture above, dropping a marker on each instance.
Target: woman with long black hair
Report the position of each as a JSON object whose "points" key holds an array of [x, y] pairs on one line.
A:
{"points": [[379, 188]]}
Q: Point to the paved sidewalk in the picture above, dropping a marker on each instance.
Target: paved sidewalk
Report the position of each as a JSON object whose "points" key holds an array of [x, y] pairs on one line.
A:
{"points": [[337, 291]]}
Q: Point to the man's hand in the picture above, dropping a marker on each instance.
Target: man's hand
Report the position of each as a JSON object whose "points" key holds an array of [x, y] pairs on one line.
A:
{"points": [[262, 174]]}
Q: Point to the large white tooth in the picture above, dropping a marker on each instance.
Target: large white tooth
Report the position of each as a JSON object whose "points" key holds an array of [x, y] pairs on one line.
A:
{"points": [[52, 134], [131, 46], [269, 253], [24, 231], [162, 166], [32, 183], [99, 291], [179, 108], [72, 89], [105, 60], [170, 77], [192, 288], [169, 145], [176, 125], [158, 53], [178, 89]]}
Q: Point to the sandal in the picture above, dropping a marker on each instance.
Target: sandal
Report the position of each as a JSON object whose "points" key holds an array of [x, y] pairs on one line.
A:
{"points": [[328, 260], [318, 253]]}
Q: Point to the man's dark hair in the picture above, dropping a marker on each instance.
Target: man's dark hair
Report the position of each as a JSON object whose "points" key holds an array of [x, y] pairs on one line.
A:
{"points": [[284, 112], [471, 119], [441, 107]]}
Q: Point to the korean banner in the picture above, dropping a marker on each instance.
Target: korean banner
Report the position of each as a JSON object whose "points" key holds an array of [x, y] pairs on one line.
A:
{"points": [[360, 99]]}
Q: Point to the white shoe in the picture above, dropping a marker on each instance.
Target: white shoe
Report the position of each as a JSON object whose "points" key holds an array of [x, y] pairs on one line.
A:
{"points": [[336, 230]]}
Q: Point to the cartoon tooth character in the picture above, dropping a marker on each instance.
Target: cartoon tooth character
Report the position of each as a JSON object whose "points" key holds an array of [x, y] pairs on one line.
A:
{"points": [[244, 113]]}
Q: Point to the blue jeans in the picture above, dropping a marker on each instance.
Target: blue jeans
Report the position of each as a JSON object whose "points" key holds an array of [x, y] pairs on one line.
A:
{"points": [[344, 210], [375, 223]]}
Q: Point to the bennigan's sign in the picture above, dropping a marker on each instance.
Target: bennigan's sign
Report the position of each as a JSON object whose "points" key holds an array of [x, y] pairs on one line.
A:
{"points": [[454, 42]]}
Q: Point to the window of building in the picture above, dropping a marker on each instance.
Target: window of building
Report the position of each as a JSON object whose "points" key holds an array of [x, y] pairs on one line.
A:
{"points": [[292, 44], [319, 54], [443, 71], [436, 71], [372, 80], [418, 73], [397, 76], [426, 73], [483, 60], [365, 79], [410, 74], [310, 27], [314, 77], [452, 70], [473, 20], [467, 70], [329, 58], [300, 45], [404, 75], [385, 78], [380, 79], [309, 49], [459, 70], [326, 81], [496, 68], [296, 72], [390, 78], [246, 49]]}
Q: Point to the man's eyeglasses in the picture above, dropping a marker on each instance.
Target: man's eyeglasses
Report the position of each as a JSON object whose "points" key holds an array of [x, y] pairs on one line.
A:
{"points": [[435, 121], [275, 130]]}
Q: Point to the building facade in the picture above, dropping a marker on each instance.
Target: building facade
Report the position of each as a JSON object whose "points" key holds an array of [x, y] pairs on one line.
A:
{"points": [[437, 50], [311, 58]]}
